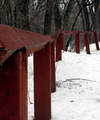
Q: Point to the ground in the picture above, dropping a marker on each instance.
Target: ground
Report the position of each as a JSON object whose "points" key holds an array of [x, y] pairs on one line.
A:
{"points": [[78, 87]]}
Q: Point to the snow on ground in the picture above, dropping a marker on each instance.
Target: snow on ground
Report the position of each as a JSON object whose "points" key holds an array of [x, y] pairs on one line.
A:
{"points": [[78, 87]]}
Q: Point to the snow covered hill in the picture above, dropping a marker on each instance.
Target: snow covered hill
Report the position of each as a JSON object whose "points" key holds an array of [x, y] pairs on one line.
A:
{"points": [[78, 87]]}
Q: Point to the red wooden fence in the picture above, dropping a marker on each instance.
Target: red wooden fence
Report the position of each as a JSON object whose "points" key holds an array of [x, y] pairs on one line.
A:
{"points": [[15, 46], [59, 36], [78, 33]]}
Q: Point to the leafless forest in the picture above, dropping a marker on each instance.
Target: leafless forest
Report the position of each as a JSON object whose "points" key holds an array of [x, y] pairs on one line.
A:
{"points": [[47, 16]]}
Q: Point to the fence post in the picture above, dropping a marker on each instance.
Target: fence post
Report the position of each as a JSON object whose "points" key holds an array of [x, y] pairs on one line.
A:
{"points": [[77, 43], [13, 90], [96, 40], [42, 83], [87, 43], [25, 85], [53, 80], [59, 48], [62, 40]]}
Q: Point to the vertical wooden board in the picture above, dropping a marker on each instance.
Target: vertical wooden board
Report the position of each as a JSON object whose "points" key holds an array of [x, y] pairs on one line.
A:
{"points": [[53, 78], [78, 43], [11, 90], [24, 87], [42, 83], [58, 49], [96, 40], [62, 40], [87, 43]]}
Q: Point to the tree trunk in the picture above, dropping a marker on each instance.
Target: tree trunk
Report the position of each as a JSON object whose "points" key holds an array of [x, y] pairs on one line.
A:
{"points": [[66, 22], [48, 18], [99, 25], [21, 14], [97, 8], [57, 16], [86, 16], [67, 14]]}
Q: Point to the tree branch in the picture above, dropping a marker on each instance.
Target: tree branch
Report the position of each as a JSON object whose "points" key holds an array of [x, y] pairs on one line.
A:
{"points": [[85, 4]]}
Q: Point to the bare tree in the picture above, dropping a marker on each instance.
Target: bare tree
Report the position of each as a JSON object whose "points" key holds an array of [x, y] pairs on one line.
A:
{"points": [[48, 17], [57, 15], [21, 13]]}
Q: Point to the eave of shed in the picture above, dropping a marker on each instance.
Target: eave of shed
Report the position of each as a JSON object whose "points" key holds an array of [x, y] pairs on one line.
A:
{"points": [[13, 39]]}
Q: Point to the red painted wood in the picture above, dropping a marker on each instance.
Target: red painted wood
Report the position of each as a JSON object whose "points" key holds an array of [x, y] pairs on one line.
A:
{"points": [[87, 43], [56, 34], [1, 45], [12, 95], [42, 83], [14, 38], [53, 79], [77, 43], [70, 32], [59, 48], [24, 86], [96, 40], [62, 40], [13, 74]]}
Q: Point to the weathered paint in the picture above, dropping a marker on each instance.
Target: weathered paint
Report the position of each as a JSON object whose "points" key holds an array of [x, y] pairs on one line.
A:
{"points": [[59, 48], [13, 87], [77, 33], [96, 40], [87, 43], [77, 43], [13, 39], [13, 70], [42, 83], [53, 77]]}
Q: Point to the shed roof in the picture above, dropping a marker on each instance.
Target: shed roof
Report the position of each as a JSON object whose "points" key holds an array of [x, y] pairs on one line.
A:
{"points": [[13, 39]]}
